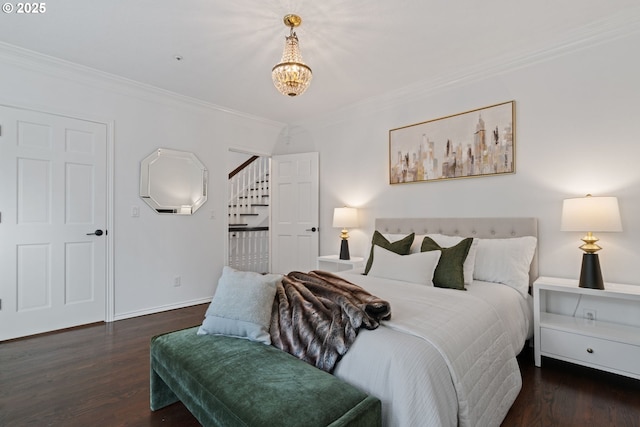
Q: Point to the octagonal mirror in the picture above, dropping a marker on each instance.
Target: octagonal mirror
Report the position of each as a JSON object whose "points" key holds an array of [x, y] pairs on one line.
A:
{"points": [[173, 182]]}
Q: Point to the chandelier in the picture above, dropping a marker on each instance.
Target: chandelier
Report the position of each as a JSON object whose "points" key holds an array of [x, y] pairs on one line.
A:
{"points": [[291, 76]]}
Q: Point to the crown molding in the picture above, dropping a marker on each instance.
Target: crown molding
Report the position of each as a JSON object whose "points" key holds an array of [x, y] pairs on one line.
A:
{"points": [[619, 26], [70, 71]]}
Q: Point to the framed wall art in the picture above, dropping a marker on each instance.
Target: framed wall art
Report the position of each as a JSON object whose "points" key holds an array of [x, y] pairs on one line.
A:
{"points": [[475, 143]]}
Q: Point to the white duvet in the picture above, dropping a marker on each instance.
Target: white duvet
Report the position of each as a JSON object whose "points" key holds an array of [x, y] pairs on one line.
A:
{"points": [[446, 357]]}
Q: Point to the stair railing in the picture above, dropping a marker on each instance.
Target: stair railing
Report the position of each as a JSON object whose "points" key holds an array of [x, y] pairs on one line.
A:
{"points": [[248, 188], [249, 249]]}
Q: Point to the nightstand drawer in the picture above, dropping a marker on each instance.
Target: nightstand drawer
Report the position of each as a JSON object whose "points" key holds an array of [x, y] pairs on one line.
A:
{"points": [[591, 351]]}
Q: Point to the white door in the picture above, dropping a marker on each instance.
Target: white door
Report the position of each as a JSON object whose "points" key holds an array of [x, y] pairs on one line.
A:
{"points": [[294, 223], [52, 201]]}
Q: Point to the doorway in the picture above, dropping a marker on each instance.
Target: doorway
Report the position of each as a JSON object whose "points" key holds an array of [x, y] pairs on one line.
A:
{"points": [[248, 212], [273, 213]]}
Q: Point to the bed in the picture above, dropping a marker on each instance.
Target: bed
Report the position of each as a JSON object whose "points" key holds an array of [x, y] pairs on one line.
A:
{"points": [[446, 357], [447, 354]]}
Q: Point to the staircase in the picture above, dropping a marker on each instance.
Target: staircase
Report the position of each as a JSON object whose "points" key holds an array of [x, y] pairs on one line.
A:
{"points": [[249, 215]]}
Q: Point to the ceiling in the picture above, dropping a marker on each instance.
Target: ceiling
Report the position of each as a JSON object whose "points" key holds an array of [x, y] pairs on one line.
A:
{"points": [[357, 49]]}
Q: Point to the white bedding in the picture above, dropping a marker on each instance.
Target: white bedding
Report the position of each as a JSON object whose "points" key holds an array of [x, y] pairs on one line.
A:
{"points": [[446, 358]]}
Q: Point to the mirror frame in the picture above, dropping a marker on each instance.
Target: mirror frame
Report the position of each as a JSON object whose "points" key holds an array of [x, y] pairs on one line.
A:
{"points": [[157, 174]]}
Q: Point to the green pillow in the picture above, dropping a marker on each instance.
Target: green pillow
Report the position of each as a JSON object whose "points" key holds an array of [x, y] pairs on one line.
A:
{"points": [[401, 247], [449, 272]]}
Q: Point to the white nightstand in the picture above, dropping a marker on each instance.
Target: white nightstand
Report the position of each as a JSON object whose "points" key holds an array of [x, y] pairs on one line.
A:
{"points": [[590, 327], [334, 263]]}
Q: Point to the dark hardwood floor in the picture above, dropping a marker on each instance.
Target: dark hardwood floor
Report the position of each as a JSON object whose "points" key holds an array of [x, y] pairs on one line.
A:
{"points": [[563, 394], [98, 375]]}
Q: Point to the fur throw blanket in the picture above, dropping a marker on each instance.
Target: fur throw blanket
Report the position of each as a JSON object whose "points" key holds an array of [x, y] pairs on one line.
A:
{"points": [[316, 316]]}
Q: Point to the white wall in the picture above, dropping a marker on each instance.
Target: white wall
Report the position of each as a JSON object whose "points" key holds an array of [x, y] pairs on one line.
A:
{"points": [[576, 133], [152, 249]]}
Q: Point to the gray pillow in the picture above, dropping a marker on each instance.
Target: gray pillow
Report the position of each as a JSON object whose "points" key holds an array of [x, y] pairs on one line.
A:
{"points": [[241, 306]]}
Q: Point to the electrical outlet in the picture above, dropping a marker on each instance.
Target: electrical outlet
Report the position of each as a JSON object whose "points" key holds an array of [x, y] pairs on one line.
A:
{"points": [[589, 314], [177, 281]]}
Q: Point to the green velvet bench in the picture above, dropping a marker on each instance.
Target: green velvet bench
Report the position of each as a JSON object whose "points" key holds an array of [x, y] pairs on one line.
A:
{"points": [[230, 382]]}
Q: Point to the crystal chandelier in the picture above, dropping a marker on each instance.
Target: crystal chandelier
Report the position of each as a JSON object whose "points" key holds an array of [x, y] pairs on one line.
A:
{"points": [[291, 76]]}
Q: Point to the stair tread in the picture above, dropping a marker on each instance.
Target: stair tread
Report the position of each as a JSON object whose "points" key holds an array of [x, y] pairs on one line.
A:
{"points": [[233, 229]]}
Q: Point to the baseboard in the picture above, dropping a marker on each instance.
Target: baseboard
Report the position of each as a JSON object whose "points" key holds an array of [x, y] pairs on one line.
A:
{"points": [[162, 308]]}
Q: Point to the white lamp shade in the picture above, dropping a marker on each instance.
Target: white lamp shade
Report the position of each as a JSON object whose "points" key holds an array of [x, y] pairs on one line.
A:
{"points": [[345, 217], [591, 214]]}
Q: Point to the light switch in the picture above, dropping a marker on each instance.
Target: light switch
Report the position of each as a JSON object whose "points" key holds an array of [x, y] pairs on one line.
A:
{"points": [[135, 211]]}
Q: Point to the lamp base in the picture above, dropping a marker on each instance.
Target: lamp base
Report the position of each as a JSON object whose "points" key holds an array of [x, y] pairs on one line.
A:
{"points": [[590, 273], [344, 249]]}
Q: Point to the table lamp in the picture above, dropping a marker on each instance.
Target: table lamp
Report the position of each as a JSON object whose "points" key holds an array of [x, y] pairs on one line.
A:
{"points": [[345, 218], [589, 214]]}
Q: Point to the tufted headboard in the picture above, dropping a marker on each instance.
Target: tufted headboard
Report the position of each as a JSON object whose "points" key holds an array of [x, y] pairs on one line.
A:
{"points": [[483, 228]]}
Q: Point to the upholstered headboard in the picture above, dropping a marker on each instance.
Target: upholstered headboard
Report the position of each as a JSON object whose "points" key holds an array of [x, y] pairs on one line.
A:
{"points": [[483, 228]]}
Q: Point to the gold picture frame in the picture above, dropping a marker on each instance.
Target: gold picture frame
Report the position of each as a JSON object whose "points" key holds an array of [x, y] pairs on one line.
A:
{"points": [[475, 143]]}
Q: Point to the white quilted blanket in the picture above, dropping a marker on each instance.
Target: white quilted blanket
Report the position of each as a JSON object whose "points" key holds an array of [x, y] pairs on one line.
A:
{"points": [[445, 358]]}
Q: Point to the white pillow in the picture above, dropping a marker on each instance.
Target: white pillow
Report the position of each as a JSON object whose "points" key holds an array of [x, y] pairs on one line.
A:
{"points": [[414, 268], [505, 261], [470, 260], [241, 306]]}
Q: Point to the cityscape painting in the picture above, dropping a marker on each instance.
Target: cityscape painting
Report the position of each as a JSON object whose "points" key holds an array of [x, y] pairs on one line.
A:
{"points": [[474, 143]]}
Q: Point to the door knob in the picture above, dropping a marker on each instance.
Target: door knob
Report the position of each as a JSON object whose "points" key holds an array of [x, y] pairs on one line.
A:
{"points": [[95, 233], [313, 229]]}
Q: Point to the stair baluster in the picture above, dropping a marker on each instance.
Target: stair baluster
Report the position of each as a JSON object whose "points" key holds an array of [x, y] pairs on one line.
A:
{"points": [[249, 216]]}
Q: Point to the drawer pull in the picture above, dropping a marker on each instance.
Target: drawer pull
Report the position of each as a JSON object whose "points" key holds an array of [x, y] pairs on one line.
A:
{"points": [[589, 350]]}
